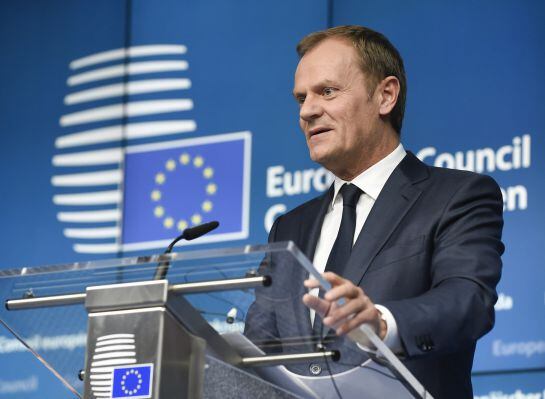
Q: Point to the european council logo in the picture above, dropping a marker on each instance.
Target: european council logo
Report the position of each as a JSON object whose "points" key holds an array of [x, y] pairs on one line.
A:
{"points": [[117, 194], [132, 382], [174, 185]]}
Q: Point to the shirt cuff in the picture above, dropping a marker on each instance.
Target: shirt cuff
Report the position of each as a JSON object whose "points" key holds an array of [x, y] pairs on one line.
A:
{"points": [[391, 339]]}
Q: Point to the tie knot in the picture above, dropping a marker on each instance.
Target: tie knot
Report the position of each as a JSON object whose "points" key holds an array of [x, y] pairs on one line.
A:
{"points": [[350, 193]]}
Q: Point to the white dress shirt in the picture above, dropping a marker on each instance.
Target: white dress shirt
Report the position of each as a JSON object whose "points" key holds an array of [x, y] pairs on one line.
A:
{"points": [[371, 182]]}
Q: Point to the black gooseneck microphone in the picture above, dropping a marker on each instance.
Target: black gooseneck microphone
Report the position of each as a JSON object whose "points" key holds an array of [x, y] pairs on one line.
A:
{"points": [[189, 234]]}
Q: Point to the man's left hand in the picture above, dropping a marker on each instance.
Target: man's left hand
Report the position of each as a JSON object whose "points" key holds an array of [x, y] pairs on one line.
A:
{"points": [[357, 309]]}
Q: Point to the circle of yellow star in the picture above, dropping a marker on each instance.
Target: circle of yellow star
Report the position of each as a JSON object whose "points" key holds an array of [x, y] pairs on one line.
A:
{"points": [[160, 178], [156, 195], [196, 219], [170, 165], [182, 225], [159, 211], [168, 222], [207, 206], [184, 158], [211, 188], [198, 161], [208, 172]]}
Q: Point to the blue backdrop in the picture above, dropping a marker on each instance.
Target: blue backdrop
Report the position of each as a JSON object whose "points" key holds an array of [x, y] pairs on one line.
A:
{"points": [[82, 173]]}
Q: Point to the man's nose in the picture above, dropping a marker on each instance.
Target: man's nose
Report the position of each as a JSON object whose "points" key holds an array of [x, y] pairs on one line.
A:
{"points": [[310, 109]]}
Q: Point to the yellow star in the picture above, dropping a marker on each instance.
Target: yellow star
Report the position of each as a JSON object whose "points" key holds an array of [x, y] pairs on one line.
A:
{"points": [[170, 165], [198, 161], [168, 222], [156, 195], [207, 206], [196, 219], [185, 158], [211, 188], [159, 211], [208, 172], [160, 178], [182, 225]]}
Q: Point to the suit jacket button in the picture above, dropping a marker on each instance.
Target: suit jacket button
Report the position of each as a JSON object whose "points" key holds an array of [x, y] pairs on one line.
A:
{"points": [[425, 347], [315, 369]]}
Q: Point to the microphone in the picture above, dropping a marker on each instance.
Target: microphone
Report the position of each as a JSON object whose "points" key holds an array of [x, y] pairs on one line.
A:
{"points": [[188, 234]]}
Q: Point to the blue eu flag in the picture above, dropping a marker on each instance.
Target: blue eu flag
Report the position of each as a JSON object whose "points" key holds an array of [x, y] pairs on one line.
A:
{"points": [[174, 185], [132, 382]]}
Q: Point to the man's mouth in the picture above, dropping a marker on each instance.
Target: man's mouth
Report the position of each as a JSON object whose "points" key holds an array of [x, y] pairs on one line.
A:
{"points": [[318, 130]]}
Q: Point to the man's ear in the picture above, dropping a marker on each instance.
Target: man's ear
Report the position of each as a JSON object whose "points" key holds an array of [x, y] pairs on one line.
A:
{"points": [[389, 92]]}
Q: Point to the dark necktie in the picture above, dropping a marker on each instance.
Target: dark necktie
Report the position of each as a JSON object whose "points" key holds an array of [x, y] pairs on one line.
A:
{"points": [[342, 248]]}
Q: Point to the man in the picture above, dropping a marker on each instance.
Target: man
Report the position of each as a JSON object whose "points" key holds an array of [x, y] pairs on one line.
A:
{"points": [[413, 250]]}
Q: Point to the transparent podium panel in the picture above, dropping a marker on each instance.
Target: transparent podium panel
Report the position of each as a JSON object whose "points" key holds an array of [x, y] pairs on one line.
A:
{"points": [[249, 298]]}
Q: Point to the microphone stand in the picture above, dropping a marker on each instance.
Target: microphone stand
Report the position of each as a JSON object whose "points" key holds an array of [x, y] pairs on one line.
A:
{"points": [[188, 234]]}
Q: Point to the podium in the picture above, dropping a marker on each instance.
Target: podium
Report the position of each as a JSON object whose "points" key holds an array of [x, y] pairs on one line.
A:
{"points": [[224, 323]]}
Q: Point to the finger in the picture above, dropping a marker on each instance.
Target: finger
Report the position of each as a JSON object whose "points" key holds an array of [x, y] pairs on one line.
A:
{"points": [[368, 316], [336, 280], [342, 312], [311, 283], [345, 290], [333, 278], [319, 305]]}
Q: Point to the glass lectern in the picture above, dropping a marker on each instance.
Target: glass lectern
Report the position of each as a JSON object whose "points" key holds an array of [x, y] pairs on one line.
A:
{"points": [[224, 323]]}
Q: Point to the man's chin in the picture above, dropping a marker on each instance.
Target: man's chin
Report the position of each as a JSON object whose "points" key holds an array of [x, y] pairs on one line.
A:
{"points": [[316, 156], [321, 158]]}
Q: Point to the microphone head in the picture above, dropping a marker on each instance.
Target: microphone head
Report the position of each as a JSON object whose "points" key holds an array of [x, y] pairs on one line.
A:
{"points": [[200, 230]]}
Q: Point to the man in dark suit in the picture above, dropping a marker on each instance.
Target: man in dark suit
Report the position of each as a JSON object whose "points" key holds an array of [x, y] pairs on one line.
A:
{"points": [[413, 250]]}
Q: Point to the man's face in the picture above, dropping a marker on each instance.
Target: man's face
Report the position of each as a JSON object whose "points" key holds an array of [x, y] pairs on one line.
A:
{"points": [[338, 116]]}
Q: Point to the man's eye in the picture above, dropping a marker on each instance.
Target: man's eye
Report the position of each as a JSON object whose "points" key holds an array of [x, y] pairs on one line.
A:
{"points": [[300, 99], [328, 91]]}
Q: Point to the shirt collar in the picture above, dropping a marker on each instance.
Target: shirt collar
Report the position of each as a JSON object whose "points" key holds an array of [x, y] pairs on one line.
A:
{"points": [[372, 180]]}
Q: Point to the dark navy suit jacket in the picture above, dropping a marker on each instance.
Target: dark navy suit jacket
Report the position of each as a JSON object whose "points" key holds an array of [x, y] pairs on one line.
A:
{"points": [[429, 251]]}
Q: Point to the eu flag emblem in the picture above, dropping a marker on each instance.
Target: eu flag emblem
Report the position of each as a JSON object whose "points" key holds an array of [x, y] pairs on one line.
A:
{"points": [[132, 381], [173, 185]]}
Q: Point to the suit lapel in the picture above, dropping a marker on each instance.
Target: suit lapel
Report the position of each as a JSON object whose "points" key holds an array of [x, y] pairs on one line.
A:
{"points": [[308, 239], [396, 198], [310, 232]]}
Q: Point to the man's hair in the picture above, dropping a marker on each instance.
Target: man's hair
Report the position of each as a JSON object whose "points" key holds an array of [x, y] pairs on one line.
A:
{"points": [[377, 56]]}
